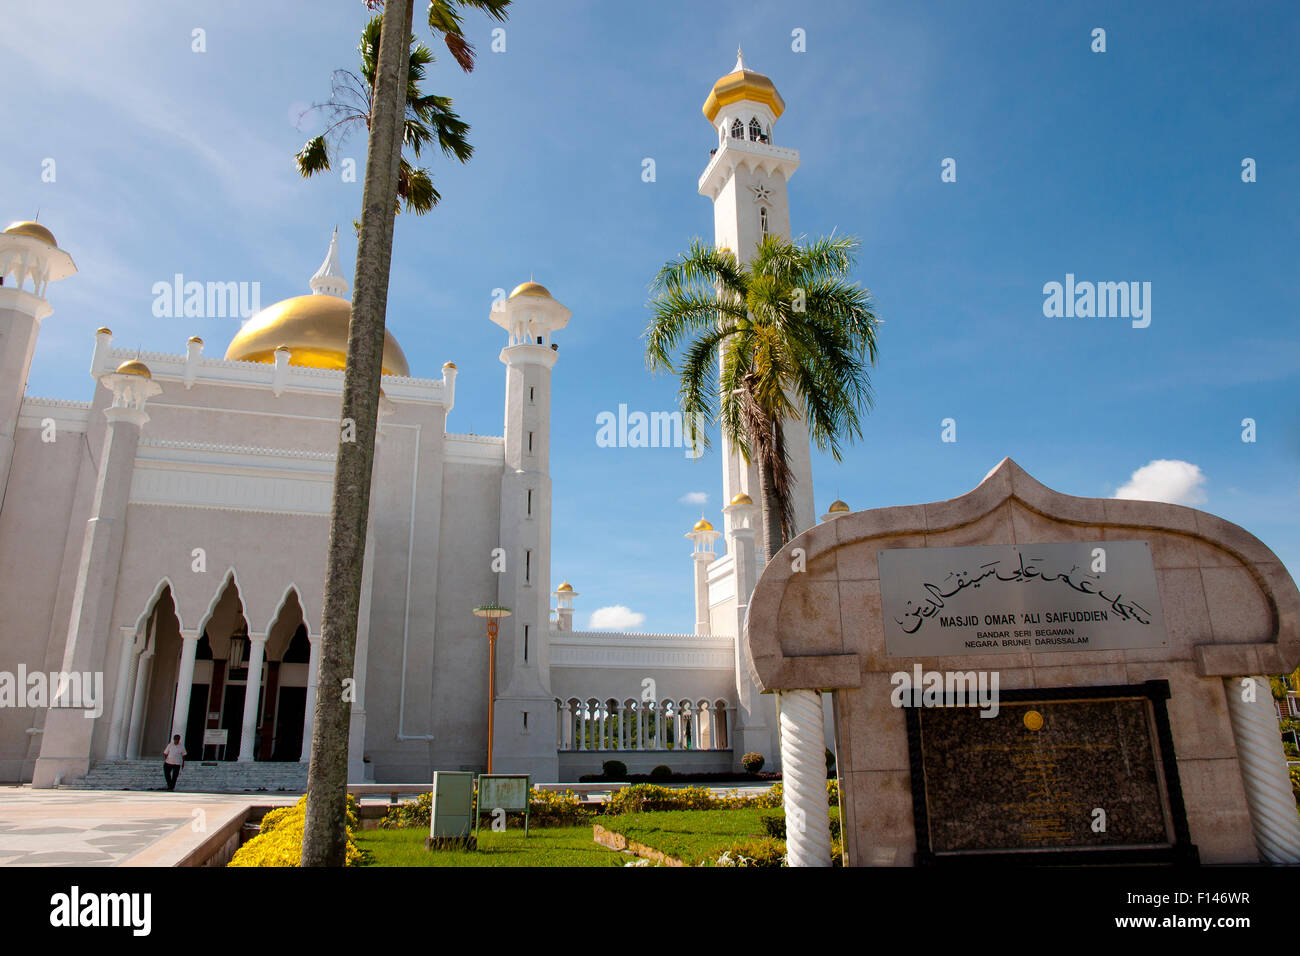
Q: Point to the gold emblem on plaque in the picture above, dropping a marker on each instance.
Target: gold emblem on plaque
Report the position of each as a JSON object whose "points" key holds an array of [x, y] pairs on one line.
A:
{"points": [[1033, 720]]}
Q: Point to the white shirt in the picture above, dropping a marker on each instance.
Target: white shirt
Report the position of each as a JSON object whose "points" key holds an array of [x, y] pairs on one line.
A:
{"points": [[174, 754]]}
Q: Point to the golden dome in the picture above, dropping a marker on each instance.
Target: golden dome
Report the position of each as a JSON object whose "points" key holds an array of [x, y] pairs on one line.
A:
{"points": [[565, 586], [315, 330], [195, 338], [104, 330], [531, 288], [743, 84], [33, 229], [836, 507], [448, 364], [702, 525], [134, 367], [742, 499]]}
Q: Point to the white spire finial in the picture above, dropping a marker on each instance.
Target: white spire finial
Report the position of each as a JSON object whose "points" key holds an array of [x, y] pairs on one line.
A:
{"points": [[329, 278], [740, 61]]}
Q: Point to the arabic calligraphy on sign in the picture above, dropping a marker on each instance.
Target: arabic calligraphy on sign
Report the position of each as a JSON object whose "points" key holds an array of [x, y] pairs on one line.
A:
{"points": [[1010, 598]]}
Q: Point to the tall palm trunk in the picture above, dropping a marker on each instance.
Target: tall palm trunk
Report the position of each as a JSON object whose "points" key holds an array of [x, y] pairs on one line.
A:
{"points": [[773, 539], [325, 834]]}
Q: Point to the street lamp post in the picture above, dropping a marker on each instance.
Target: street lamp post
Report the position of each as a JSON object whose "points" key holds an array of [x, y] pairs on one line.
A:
{"points": [[493, 613]]}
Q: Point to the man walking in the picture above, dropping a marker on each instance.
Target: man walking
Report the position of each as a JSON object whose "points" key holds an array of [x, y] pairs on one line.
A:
{"points": [[173, 760]]}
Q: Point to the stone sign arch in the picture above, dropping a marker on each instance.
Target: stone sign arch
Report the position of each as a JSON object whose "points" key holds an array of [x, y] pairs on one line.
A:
{"points": [[1159, 657]]}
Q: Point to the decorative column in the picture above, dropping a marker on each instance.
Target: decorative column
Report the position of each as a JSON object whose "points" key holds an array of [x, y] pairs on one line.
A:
{"points": [[252, 693], [358, 769], [752, 732], [307, 718], [803, 758], [1264, 770], [566, 726], [121, 695], [143, 672], [68, 736], [184, 683]]}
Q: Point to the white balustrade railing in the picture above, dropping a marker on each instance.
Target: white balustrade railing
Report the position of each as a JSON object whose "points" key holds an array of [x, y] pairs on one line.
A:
{"points": [[596, 724]]}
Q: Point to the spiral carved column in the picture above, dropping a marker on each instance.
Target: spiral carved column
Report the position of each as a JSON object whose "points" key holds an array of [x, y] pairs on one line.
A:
{"points": [[1264, 771], [803, 758]]}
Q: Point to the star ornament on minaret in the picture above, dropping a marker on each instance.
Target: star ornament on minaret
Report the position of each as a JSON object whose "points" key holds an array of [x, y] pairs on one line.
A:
{"points": [[761, 193]]}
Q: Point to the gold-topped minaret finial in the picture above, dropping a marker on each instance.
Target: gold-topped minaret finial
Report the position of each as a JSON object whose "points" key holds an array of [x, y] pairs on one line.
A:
{"points": [[742, 83]]}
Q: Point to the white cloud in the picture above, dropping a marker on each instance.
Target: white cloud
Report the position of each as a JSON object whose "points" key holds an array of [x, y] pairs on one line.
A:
{"points": [[694, 498], [1171, 480], [617, 617]]}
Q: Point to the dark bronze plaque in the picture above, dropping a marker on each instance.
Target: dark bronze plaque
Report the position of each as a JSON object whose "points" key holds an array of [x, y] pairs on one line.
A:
{"points": [[1031, 779]]}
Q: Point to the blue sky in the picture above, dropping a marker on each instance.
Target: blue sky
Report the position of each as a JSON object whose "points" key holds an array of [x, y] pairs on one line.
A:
{"points": [[1115, 166]]}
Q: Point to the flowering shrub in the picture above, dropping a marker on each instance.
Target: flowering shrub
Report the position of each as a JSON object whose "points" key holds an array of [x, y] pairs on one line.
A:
{"points": [[409, 813], [547, 808], [279, 841], [752, 762], [648, 797]]}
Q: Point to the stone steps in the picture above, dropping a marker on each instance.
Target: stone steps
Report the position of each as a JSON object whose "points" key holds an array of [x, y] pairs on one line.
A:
{"points": [[196, 777]]}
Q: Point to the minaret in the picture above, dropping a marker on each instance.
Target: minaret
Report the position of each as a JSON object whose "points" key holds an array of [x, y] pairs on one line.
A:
{"points": [[30, 260], [524, 720], [746, 179], [703, 537], [564, 596]]}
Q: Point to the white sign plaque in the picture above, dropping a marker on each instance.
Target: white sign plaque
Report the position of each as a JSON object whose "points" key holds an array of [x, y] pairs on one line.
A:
{"points": [[1005, 599]]}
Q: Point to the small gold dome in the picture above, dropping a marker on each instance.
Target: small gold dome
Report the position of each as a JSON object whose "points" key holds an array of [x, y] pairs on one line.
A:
{"points": [[195, 338], [743, 84], [531, 288], [448, 364], [742, 499], [837, 507], [314, 328], [33, 229], [134, 367], [565, 586], [702, 525], [103, 330]]}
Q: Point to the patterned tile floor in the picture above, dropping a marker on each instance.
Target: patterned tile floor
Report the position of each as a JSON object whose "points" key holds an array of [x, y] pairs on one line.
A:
{"points": [[107, 828]]}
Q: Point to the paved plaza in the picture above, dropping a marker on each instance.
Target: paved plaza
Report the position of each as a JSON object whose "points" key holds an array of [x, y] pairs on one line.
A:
{"points": [[111, 828]]}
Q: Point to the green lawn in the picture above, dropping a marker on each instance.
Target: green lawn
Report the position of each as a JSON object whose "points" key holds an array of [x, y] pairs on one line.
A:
{"points": [[692, 836], [558, 846]]}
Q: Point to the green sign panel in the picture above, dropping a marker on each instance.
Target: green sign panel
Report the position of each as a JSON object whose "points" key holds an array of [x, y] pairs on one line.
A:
{"points": [[452, 814]]}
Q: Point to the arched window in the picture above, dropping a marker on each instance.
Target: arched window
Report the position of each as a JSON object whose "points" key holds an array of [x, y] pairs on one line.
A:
{"points": [[737, 130], [762, 219], [755, 130]]}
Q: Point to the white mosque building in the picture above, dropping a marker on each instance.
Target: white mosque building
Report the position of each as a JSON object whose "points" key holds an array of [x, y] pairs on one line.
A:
{"points": [[165, 543]]}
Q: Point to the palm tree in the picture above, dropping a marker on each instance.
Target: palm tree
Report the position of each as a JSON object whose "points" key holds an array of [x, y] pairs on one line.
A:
{"points": [[352, 103], [786, 335], [325, 832]]}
